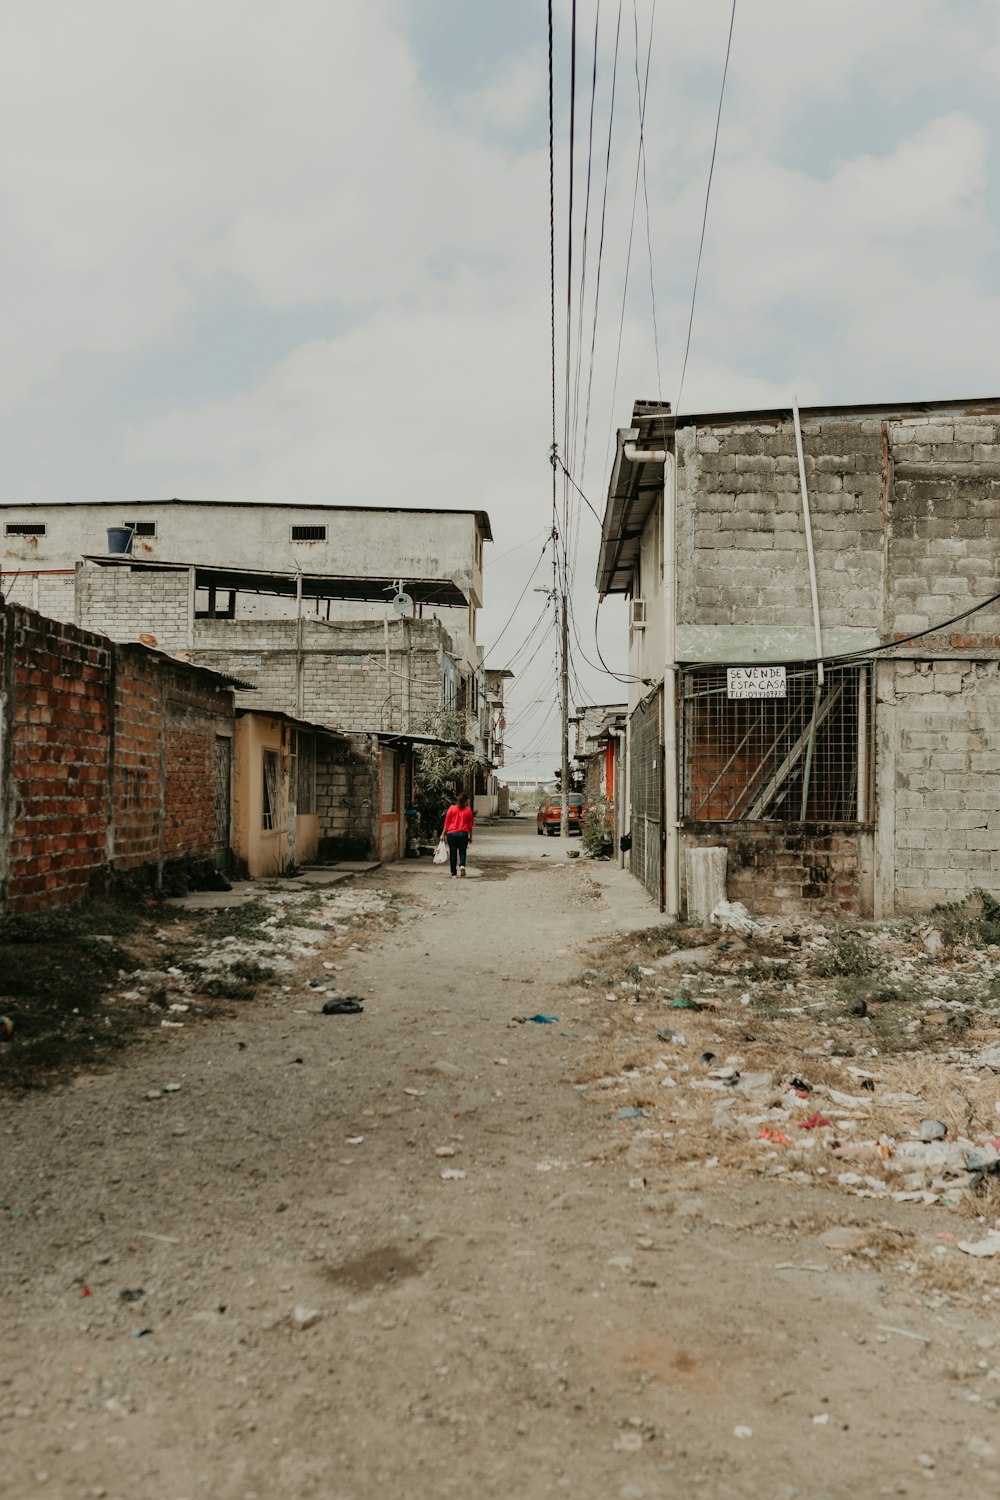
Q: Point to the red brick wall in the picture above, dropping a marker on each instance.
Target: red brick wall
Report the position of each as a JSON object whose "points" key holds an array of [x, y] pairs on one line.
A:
{"points": [[138, 726], [55, 760], [83, 788], [189, 813], [807, 867]]}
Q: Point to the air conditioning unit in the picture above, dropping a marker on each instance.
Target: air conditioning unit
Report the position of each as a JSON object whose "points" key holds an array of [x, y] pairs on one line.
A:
{"points": [[638, 615]]}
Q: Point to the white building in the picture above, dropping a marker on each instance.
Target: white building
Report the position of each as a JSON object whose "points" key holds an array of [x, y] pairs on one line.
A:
{"points": [[385, 547]]}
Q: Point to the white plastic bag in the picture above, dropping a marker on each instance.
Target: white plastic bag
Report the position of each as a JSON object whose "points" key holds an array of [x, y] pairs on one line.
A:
{"points": [[732, 916], [441, 853]]}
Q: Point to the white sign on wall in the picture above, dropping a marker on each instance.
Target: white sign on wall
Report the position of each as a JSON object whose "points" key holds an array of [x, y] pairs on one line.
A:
{"points": [[755, 682]]}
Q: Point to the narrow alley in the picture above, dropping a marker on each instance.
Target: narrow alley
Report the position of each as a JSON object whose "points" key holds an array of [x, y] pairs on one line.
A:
{"points": [[407, 1252]]}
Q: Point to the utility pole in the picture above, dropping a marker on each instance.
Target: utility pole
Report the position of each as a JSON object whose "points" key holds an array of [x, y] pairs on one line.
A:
{"points": [[564, 694], [560, 595]]}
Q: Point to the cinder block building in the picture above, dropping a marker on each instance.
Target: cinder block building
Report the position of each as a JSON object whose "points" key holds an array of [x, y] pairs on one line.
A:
{"points": [[358, 619], [815, 641]]}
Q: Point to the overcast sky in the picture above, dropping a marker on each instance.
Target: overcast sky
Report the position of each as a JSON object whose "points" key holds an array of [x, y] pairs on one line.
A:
{"points": [[300, 252]]}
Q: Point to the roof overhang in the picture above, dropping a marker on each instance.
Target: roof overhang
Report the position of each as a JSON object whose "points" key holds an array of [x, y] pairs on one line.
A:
{"points": [[224, 679], [276, 713], [441, 591], [389, 737], [632, 494]]}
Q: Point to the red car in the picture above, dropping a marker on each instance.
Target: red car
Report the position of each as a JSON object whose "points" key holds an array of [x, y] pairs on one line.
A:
{"points": [[550, 814]]}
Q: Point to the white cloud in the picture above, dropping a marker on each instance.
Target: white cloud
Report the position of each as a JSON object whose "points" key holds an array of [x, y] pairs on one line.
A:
{"points": [[150, 154]]}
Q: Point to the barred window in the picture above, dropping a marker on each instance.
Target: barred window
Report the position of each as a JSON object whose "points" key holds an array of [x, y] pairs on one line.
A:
{"points": [[140, 528], [270, 818], [308, 533], [804, 757], [24, 528]]}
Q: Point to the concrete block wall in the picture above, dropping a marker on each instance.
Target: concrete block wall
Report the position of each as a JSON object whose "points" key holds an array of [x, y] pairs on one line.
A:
{"points": [[741, 543], [944, 524], [938, 778], [124, 605], [905, 517], [342, 664], [49, 593], [347, 790]]}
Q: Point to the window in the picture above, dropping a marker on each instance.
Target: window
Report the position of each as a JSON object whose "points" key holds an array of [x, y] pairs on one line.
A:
{"points": [[308, 533], [140, 528], [305, 773], [24, 528], [272, 791], [805, 757], [213, 603]]}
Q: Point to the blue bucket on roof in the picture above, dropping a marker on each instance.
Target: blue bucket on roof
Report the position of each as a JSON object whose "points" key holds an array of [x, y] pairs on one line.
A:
{"points": [[119, 539]]}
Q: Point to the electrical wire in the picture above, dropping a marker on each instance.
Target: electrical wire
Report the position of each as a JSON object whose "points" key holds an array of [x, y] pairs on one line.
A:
{"points": [[704, 217], [552, 225], [600, 251], [865, 652], [586, 229], [583, 497], [525, 643], [642, 93], [511, 550], [517, 605], [628, 258]]}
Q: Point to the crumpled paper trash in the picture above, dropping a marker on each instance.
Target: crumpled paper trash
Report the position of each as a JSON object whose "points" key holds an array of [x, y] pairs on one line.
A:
{"points": [[732, 916]]}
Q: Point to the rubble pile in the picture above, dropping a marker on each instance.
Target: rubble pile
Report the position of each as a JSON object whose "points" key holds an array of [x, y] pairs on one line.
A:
{"points": [[863, 1058]]}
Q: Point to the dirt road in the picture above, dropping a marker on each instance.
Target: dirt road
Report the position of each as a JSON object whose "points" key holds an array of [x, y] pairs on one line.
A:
{"points": [[405, 1253]]}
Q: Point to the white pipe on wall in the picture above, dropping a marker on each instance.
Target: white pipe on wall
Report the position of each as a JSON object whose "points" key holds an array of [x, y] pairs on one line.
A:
{"points": [[671, 810], [810, 555]]}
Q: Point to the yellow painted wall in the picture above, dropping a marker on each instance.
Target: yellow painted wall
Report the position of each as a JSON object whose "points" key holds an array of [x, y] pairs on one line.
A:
{"points": [[262, 851]]}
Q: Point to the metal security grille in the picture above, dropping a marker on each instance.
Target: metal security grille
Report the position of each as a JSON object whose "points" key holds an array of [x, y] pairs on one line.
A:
{"points": [[24, 528], [806, 757], [140, 528], [308, 533], [646, 773]]}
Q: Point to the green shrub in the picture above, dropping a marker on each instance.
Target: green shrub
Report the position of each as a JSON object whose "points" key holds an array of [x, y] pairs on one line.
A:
{"points": [[598, 831]]}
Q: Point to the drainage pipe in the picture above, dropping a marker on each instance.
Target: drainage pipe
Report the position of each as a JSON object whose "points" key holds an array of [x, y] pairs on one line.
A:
{"points": [[671, 820], [810, 555]]}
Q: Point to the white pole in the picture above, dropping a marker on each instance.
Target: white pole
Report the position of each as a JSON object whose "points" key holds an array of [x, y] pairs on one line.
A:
{"points": [[863, 745], [807, 522]]}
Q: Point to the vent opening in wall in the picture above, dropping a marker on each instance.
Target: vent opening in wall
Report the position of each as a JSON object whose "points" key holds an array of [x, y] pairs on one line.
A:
{"points": [[308, 533], [140, 528], [24, 528]]}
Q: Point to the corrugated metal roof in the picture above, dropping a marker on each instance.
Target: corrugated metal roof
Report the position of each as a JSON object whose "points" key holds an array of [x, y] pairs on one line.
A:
{"points": [[441, 591], [276, 713]]}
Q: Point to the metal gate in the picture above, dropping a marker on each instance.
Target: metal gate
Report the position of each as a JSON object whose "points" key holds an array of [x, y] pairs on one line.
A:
{"points": [[222, 765], [646, 773]]}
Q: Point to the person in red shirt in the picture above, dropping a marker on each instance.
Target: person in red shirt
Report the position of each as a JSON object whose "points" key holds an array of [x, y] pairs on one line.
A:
{"points": [[458, 832]]}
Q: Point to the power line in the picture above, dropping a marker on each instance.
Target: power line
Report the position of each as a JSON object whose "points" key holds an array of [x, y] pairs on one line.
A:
{"points": [[586, 228], [628, 257], [642, 94], [552, 226], [583, 497], [704, 217], [511, 550], [600, 249], [520, 596]]}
